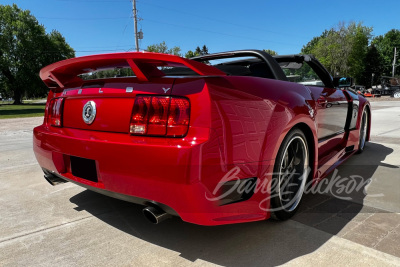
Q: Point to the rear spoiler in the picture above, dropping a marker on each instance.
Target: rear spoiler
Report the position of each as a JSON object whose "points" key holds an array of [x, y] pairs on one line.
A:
{"points": [[143, 64]]}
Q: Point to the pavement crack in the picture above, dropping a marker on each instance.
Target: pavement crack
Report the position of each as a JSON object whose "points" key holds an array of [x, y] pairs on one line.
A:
{"points": [[393, 230], [359, 223], [382, 238], [393, 130], [45, 229]]}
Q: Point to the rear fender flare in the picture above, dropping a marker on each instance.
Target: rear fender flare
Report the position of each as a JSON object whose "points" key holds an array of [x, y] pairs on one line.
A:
{"points": [[300, 115]]}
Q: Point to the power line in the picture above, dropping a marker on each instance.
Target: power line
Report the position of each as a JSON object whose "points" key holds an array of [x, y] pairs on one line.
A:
{"points": [[167, 23], [219, 20], [164, 8], [123, 32], [99, 18], [93, 1], [220, 33]]}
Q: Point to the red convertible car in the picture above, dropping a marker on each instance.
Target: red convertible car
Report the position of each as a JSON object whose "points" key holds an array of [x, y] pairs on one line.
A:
{"points": [[222, 138]]}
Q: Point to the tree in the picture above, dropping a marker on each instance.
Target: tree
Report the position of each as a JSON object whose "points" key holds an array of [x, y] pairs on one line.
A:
{"points": [[163, 48], [271, 52], [310, 46], [359, 39], [58, 47], [197, 52], [158, 48], [25, 48], [373, 66], [190, 54], [385, 44], [342, 49], [204, 50]]}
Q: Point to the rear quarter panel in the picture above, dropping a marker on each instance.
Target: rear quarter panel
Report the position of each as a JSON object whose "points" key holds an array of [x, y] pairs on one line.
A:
{"points": [[248, 119]]}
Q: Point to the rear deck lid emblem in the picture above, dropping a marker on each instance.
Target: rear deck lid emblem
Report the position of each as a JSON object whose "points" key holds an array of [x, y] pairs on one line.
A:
{"points": [[89, 112]]}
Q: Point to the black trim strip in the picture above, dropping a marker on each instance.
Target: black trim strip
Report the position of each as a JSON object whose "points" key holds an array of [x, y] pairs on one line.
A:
{"points": [[323, 139]]}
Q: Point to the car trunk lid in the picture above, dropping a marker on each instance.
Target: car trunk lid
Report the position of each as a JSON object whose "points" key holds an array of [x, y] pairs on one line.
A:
{"points": [[113, 101]]}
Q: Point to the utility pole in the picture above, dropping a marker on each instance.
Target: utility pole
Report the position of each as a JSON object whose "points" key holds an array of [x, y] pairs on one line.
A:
{"points": [[135, 24], [394, 62]]}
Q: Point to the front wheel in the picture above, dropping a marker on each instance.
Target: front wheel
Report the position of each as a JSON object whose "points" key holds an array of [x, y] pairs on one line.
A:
{"points": [[290, 175], [396, 94], [363, 132]]}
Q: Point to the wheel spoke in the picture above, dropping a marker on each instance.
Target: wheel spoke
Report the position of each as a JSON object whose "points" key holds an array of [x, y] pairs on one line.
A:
{"points": [[292, 168], [299, 155]]}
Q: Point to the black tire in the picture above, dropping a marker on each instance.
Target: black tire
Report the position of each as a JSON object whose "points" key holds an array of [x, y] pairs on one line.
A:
{"points": [[396, 94], [290, 175], [363, 132]]}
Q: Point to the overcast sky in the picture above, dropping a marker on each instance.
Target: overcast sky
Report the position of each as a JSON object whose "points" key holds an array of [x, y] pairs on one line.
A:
{"points": [[100, 26]]}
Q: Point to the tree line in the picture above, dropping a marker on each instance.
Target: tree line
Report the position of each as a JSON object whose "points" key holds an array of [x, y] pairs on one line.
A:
{"points": [[345, 50], [351, 50], [176, 50], [25, 47]]}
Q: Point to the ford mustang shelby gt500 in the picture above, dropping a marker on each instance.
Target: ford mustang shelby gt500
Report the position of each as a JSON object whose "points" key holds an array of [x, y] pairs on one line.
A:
{"points": [[217, 139]]}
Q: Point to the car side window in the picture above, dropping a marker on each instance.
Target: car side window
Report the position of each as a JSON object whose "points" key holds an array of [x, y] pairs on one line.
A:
{"points": [[301, 73]]}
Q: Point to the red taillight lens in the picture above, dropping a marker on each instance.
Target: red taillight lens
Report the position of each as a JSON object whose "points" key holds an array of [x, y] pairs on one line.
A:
{"points": [[178, 118], [160, 116], [54, 114], [140, 114]]}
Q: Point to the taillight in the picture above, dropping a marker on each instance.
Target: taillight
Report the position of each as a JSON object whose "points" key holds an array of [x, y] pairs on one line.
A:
{"points": [[160, 116], [178, 117], [139, 115], [54, 113]]}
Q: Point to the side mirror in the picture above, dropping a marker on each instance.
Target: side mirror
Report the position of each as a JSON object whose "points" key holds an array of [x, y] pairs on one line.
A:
{"points": [[343, 82]]}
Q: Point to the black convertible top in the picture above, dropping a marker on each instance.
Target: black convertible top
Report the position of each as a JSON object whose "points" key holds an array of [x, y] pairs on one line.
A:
{"points": [[263, 64]]}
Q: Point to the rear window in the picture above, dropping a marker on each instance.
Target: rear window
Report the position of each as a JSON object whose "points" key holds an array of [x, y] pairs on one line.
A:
{"points": [[242, 66], [301, 73], [158, 68]]}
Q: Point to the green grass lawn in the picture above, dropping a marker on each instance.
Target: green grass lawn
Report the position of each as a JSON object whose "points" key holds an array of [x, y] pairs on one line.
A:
{"points": [[8, 111]]}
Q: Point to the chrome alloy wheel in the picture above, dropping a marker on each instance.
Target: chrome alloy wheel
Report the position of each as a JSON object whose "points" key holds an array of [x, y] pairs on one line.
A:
{"points": [[293, 173], [396, 94], [363, 130]]}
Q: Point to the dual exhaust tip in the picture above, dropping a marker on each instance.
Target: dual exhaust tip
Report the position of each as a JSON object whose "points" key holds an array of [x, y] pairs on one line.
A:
{"points": [[155, 214]]}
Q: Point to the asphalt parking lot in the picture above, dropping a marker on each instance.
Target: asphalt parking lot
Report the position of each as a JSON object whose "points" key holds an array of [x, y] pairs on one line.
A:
{"points": [[68, 225]]}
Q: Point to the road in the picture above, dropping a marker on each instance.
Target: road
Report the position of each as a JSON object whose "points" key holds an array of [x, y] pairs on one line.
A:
{"points": [[67, 225]]}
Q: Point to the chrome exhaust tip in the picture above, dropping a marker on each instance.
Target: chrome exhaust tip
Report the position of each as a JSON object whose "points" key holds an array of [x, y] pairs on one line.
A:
{"points": [[155, 215], [53, 179]]}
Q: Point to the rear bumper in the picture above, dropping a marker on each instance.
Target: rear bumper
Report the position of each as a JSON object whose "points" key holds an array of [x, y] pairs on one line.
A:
{"points": [[169, 172]]}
